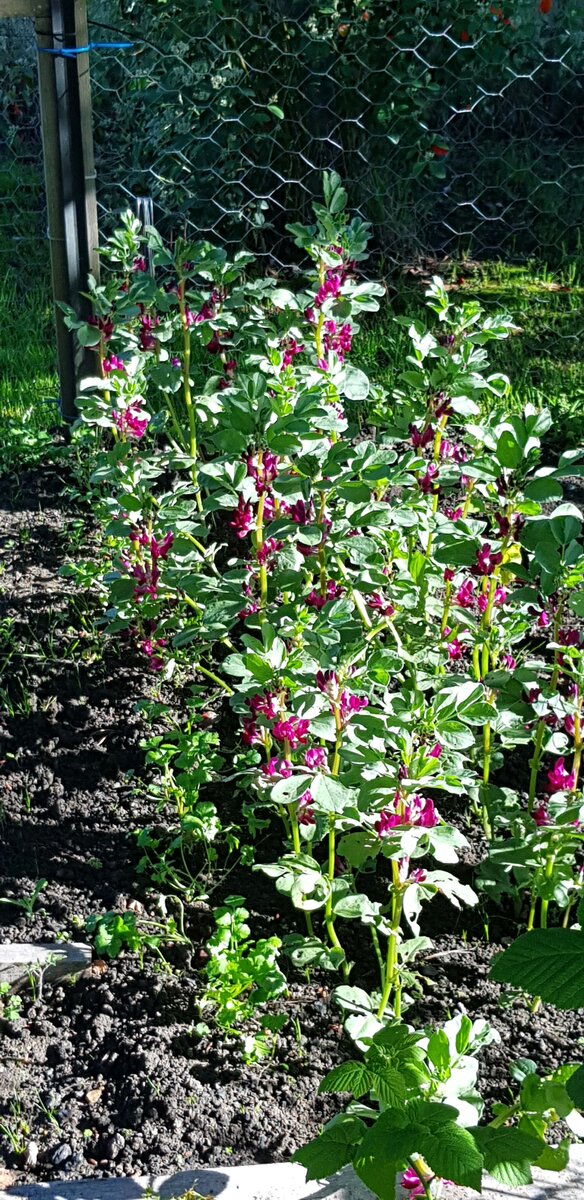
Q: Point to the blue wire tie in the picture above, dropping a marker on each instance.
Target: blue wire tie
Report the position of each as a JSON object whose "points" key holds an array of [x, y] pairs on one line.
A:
{"points": [[72, 53]]}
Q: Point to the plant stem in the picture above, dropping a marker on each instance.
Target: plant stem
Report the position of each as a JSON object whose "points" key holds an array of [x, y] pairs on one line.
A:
{"points": [[215, 679], [188, 399], [391, 967], [328, 912]]}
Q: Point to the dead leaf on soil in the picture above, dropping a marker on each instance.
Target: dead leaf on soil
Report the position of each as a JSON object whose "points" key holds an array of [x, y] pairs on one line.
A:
{"points": [[97, 968]]}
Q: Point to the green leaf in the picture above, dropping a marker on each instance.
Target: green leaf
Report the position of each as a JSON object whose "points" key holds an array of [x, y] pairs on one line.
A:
{"points": [[555, 1158], [575, 1088], [332, 1149], [547, 963], [355, 384], [508, 1154], [276, 111], [452, 1153], [508, 451], [330, 796], [350, 1077]]}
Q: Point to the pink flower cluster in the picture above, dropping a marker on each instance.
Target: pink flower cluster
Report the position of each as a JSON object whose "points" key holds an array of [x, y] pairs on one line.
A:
{"points": [[112, 363], [147, 574], [466, 597], [132, 421], [316, 599], [337, 340], [291, 349], [344, 703], [417, 811]]}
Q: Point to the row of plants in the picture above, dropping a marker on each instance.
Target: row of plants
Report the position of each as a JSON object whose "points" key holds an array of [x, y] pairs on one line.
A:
{"points": [[377, 595]]}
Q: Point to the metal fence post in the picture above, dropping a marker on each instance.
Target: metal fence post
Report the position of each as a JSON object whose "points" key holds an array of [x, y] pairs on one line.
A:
{"points": [[70, 178]]}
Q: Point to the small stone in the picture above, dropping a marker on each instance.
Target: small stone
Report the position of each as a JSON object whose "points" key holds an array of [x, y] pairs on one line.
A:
{"points": [[113, 1146], [31, 1155], [61, 1154]]}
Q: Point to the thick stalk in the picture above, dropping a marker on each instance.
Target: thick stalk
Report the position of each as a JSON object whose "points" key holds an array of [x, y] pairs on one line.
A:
{"points": [[188, 399], [418, 1166], [577, 748], [328, 911], [391, 966], [541, 727], [259, 541]]}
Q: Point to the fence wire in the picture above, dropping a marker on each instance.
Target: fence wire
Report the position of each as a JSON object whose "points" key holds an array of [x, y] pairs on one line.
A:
{"points": [[462, 136], [23, 223], [457, 127]]}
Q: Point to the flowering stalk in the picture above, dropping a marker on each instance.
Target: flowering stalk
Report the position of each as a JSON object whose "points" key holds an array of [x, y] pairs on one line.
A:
{"points": [[577, 744], [186, 375], [418, 1166], [391, 967], [259, 541], [541, 727]]}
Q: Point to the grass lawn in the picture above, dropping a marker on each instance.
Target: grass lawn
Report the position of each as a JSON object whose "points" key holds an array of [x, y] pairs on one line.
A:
{"points": [[29, 386]]}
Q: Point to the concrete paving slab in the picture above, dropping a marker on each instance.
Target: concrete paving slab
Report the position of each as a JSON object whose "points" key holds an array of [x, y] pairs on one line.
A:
{"points": [[285, 1181]]}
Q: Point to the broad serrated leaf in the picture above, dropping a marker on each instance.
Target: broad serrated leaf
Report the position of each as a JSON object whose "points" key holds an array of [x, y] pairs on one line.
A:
{"points": [[332, 1149], [575, 1088], [452, 1153], [353, 1077], [508, 1154], [547, 963]]}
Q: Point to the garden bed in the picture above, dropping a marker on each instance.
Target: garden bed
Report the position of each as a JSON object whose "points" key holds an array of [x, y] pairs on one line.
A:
{"points": [[105, 1072]]}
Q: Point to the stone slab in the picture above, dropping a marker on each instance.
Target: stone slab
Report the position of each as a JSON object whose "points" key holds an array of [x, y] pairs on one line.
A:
{"points": [[284, 1181]]}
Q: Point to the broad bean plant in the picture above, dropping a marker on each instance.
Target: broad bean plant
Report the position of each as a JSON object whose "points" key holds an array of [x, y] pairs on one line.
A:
{"points": [[382, 590]]}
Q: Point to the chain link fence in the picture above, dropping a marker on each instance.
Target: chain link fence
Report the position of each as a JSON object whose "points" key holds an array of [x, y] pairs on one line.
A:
{"points": [[458, 128]]}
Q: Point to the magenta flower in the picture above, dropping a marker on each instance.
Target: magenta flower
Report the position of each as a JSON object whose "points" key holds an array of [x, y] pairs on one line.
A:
{"points": [[304, 813], [263, 472], [293, 730], [161, 549], [301, 513], [416, 811], [316, 600], [541, 816], [112, 363], [465, 596], [455, 650], [315, 758], [243, 520], [420, 438], [249, 733], [508, 662], [105, 326], [448, 575], [543, 620], [132, 422], [560, 780], [435, 752], [279, 767], [453, 514], [569, 725], [264, 703], [291, 349], [487, 560], [428, 483], [139, 264], [146, 338], [350, 705], [381, 604], [329, 290], [327, 682], [266, 553], [150, 649], [411, 1182], [417, 876], [569, 637], [500, 596], [244, 613], [337, 341]]}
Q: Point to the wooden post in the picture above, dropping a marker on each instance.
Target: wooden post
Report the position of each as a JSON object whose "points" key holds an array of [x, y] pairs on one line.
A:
{"points": [[65, 97], [69, 173]]}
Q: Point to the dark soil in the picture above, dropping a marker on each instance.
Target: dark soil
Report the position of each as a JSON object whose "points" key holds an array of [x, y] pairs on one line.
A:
{"points": [[106, 1073]]}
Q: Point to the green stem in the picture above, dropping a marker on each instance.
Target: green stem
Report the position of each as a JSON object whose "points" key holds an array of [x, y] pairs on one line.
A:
{"points": [[215, 679], [391, 967], [298, 850], [328, 911], [188, 399], [418, 1166]]}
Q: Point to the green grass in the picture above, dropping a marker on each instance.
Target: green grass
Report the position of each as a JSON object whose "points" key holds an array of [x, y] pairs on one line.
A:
{"points": [[544, 361], [28, 381]]}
